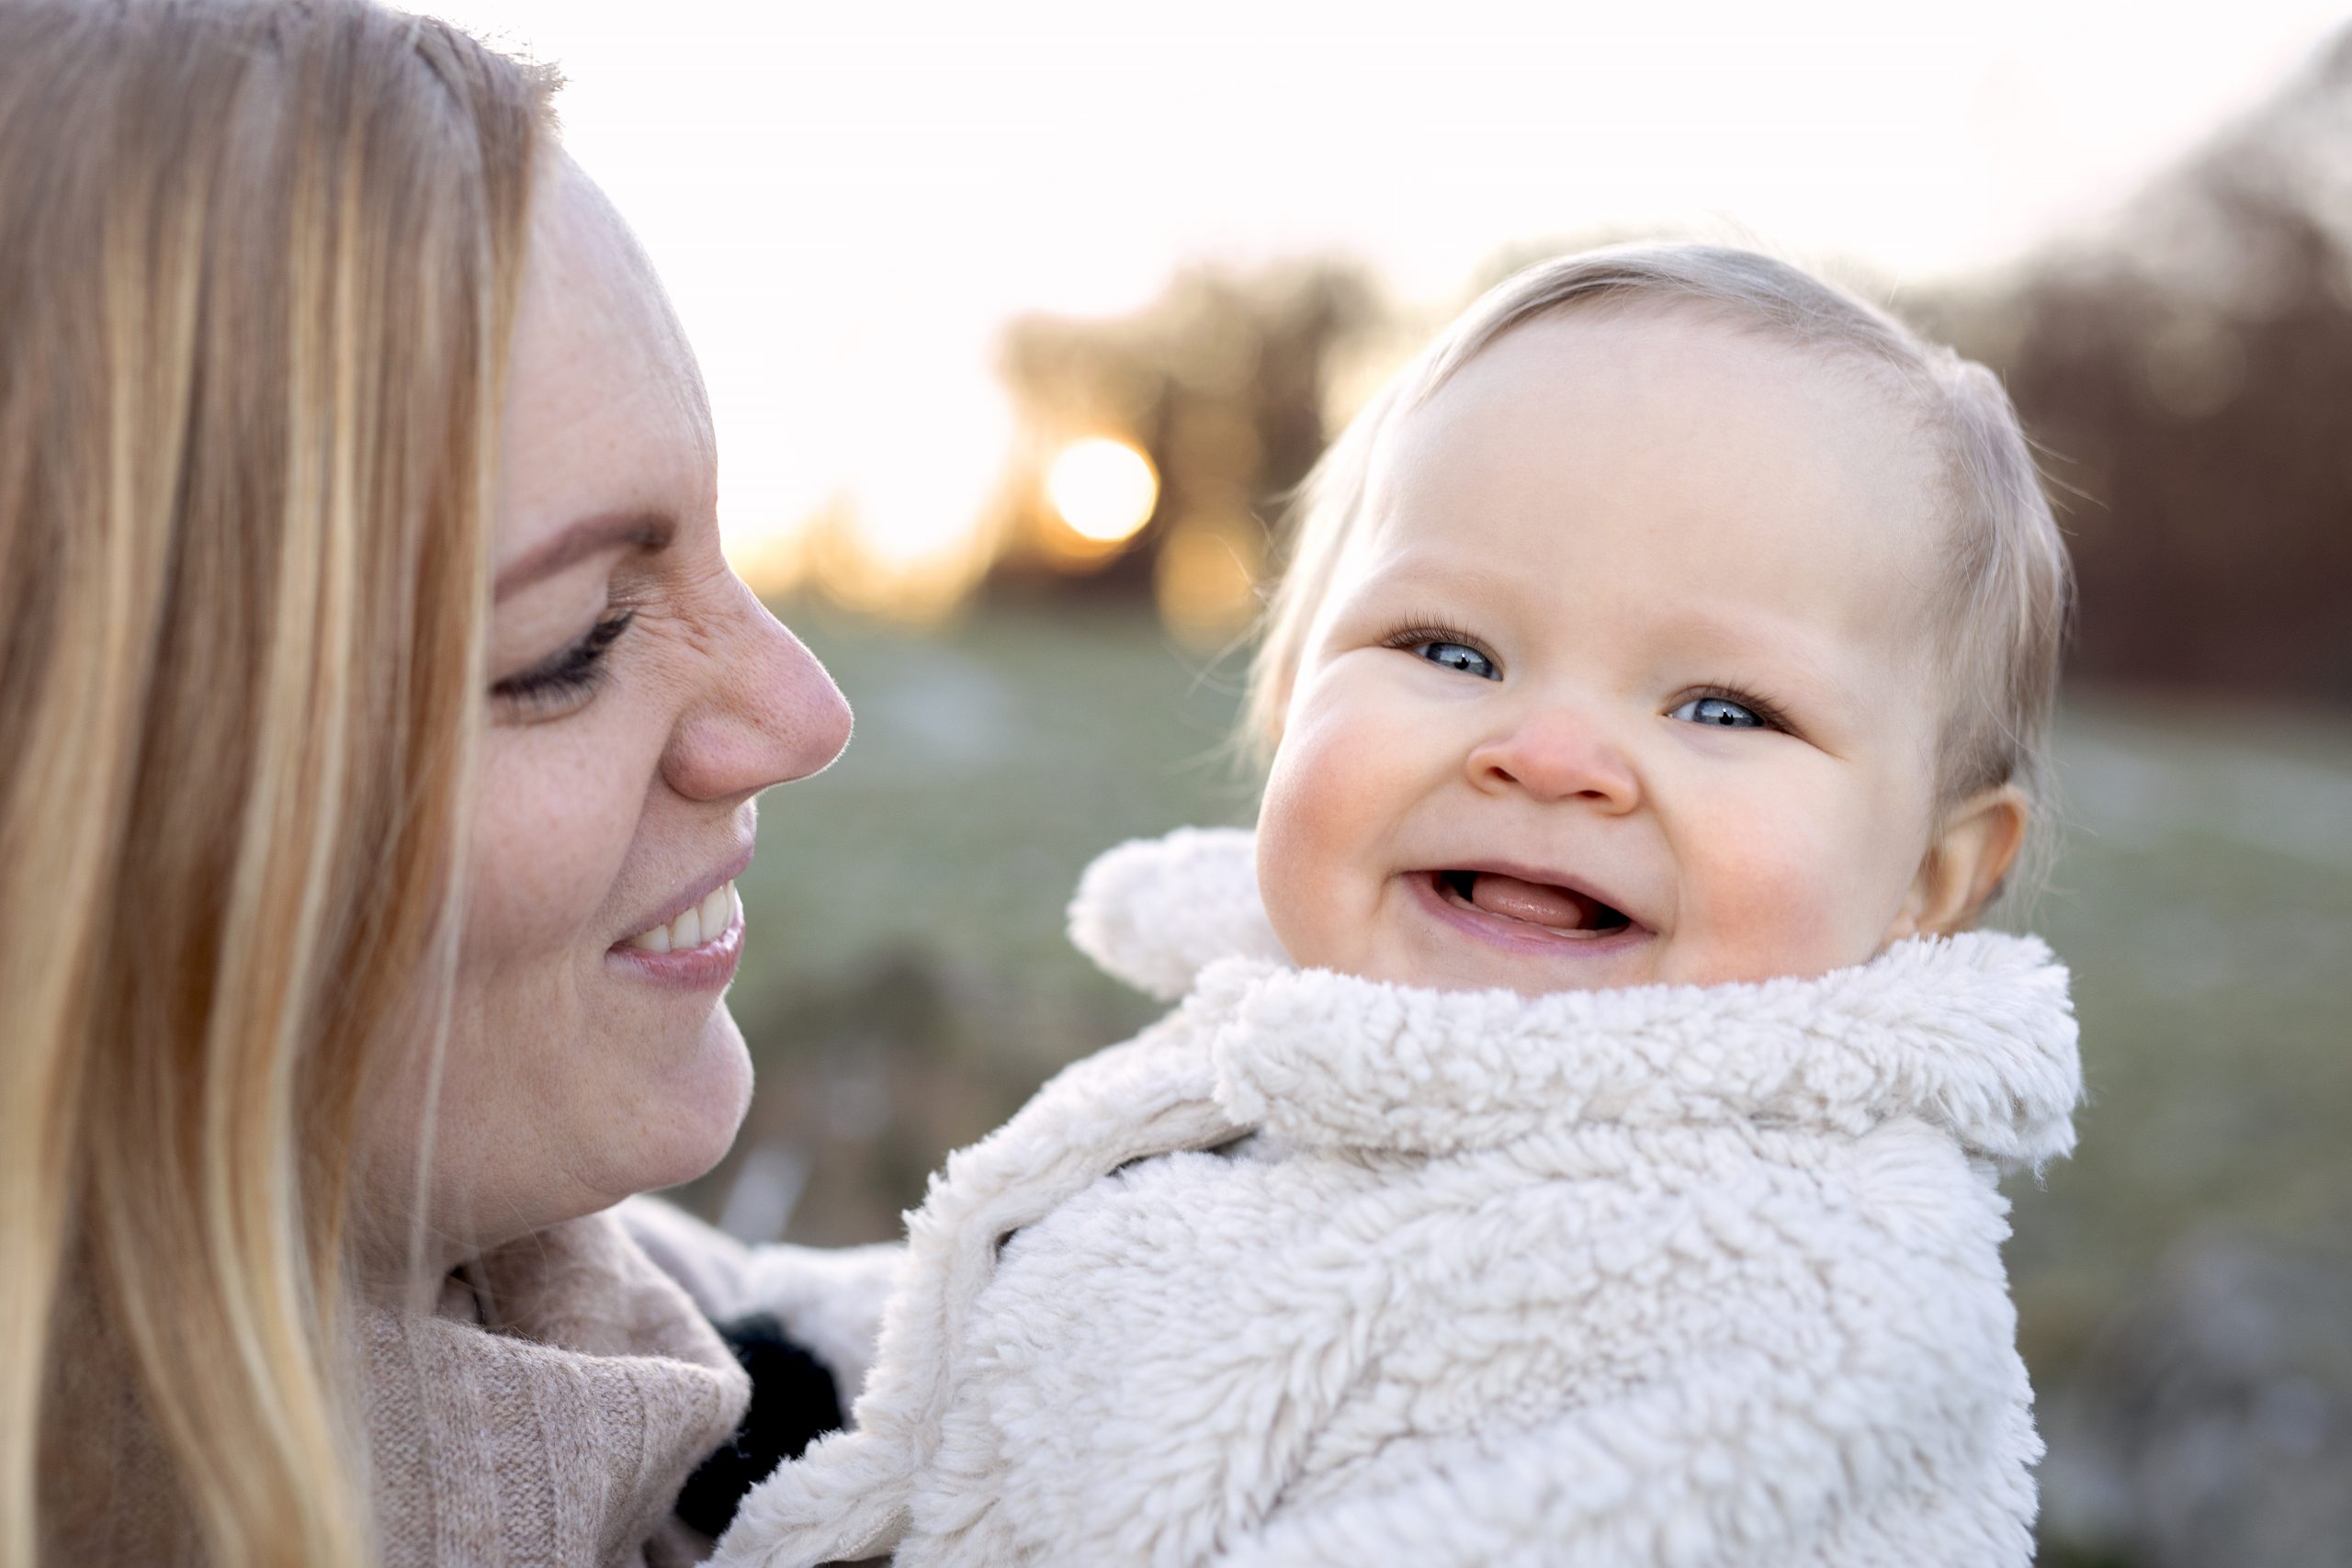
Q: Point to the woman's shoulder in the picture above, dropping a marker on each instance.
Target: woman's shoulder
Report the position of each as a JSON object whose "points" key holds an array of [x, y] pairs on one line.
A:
{"points": [[827, 1299]]}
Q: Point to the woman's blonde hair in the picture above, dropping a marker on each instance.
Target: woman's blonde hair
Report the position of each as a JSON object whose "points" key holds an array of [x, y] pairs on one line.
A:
{"points": [[258, 273], [2008, 583]]}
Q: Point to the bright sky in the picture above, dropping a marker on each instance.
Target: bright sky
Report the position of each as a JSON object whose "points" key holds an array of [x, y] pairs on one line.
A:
{"points": [[846, 216]]}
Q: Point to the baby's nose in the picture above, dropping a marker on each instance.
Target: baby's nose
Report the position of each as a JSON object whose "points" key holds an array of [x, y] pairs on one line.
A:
{"points": [[1555, 755]]}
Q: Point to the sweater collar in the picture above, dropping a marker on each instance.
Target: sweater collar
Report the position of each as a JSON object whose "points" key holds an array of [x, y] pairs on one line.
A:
{"points": [[1972, 1034], [562, 1431], [558, 1437]]}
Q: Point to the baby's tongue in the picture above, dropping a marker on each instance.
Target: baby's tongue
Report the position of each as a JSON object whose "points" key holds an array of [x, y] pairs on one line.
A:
{"points": [[1528, 901]]}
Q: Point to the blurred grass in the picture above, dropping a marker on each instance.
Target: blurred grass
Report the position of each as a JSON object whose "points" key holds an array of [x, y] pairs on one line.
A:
{"points": [[989, 764], [2203, 897], [907, 982]]}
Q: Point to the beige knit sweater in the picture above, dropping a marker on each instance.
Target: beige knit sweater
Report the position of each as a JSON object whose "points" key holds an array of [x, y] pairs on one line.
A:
{"points": [[551, 1423]]}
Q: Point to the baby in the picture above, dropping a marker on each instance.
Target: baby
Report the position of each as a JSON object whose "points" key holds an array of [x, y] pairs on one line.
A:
{"points": [[1577, 1140]]}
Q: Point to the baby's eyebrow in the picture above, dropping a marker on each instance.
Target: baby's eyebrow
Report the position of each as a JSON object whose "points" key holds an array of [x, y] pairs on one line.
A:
{"points": [[1796, 660], [1424, 570]]}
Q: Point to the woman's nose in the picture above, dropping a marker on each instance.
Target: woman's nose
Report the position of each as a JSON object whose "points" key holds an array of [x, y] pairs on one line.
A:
{"points": [[1554, 754], [770, 714]]}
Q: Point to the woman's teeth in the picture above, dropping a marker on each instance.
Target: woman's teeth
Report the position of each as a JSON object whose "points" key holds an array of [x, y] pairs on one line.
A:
{"points": [[705, 922]]}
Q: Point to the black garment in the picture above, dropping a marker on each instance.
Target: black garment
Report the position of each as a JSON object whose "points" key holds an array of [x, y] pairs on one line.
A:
{"points": [[794, 1402]]}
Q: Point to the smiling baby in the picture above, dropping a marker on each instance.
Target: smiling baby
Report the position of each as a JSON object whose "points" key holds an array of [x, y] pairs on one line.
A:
{"points": [[1577, 1140]]}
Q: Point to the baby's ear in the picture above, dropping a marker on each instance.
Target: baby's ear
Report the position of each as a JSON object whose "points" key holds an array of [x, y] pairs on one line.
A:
{"points": [[1965, 865]]}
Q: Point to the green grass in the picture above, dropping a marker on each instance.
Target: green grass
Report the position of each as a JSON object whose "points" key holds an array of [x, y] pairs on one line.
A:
{"points": [[908, 983], [2203, 897]]}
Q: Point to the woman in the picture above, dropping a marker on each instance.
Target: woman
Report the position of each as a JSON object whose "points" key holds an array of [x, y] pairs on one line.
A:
{"points": [[382, 726]]}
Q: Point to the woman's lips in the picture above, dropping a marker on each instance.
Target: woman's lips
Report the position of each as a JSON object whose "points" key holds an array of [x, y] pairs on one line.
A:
{"points": [[1522, 916], [706, 965]]}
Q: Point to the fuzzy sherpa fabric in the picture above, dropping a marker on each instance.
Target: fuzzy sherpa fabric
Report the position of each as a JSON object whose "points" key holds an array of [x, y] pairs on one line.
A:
{"points": [[1320, 1270]]}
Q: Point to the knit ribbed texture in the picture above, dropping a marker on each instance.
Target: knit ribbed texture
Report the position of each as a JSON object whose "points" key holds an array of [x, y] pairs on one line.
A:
{"points": [[558, 1434]]}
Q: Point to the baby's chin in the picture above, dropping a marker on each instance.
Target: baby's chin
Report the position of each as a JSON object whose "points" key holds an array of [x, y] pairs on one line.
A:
{"points": [[1527, 979], [1452, 966], [1453, 973]]}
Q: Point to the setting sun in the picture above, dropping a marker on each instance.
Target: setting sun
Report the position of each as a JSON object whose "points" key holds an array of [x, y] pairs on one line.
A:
{"points": [[1104, 489]]}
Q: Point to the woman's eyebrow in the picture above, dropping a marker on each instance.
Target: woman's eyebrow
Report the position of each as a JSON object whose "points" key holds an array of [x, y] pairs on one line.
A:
{"points": [[647, 531]]}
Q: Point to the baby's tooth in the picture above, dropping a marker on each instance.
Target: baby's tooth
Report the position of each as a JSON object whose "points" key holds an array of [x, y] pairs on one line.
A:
{"points": [[686, 931], [655, 941], [717, 906]]}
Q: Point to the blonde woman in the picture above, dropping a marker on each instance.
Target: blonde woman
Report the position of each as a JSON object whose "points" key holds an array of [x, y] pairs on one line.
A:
{"points": [[382, 729]]}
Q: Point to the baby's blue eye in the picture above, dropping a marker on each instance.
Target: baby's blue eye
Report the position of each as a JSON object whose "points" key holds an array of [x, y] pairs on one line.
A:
{"points": [[1720, 711], [1456, 656]]}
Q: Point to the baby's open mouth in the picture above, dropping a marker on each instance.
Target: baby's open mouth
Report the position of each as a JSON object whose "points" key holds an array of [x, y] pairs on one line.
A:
{"points": [[1561, 910]]}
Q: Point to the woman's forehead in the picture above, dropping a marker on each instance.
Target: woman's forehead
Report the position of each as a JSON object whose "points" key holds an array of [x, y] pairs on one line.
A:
{"points": [[605, 409]]}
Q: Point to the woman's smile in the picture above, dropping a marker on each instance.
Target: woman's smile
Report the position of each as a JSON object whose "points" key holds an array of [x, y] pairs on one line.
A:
{"points": [[701, 922], [696, 951], [693, 941]]}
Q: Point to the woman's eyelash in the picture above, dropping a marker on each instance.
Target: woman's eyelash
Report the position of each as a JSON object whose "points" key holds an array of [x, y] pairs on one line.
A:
{"points": [[572, 670]]}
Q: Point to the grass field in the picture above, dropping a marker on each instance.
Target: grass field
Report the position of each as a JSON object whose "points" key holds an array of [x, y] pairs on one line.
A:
{"points": [[907, 981]]}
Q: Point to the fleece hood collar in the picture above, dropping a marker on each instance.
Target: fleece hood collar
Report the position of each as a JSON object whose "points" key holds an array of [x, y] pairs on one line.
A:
{"points": [[1975, 1034]]}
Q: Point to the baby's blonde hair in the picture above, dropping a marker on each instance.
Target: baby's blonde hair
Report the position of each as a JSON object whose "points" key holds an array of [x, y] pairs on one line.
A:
{"points": [[2003, 616]]}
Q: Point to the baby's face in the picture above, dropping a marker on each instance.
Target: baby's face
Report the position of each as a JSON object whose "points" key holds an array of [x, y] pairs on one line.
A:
{"points": [[1626, 679]]}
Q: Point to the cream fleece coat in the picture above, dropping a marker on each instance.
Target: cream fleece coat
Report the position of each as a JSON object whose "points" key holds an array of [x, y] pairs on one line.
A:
{"points": [[1320, 1270]]}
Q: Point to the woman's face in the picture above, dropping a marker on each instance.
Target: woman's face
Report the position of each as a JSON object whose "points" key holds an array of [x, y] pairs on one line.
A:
{"points": [[641, 697]]}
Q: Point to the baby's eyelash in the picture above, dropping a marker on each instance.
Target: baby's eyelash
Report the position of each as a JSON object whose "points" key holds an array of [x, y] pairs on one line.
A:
{"points": [[1414, 632], [571, 672]]}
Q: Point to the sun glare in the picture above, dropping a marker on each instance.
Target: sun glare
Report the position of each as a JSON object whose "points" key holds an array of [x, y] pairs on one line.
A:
{"points": [[1104, 489]]}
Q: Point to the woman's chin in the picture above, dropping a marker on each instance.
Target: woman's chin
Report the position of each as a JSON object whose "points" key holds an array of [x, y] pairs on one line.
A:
{"points": [[689, 1119]]}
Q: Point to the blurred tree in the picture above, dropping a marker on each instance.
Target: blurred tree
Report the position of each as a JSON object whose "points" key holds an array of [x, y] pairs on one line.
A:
{"points": [[1221, 383], [2189, 377]]}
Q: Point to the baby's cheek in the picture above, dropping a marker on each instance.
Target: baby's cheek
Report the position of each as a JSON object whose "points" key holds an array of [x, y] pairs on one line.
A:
{"points": [[1317, 830], [1783, 898], [1296, 850]]}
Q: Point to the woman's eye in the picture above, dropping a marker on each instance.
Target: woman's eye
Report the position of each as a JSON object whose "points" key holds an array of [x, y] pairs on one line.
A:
{"points": [[1459, 656], [1719, 711], [568, 677]]}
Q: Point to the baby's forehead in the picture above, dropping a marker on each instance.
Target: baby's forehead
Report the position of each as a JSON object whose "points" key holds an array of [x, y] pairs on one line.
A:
{"points": [[1658, 452], [1697, 358]]}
